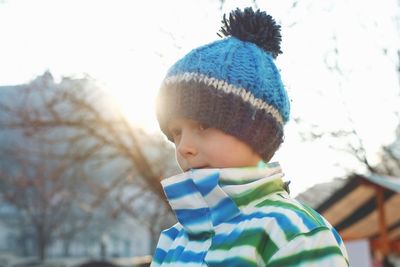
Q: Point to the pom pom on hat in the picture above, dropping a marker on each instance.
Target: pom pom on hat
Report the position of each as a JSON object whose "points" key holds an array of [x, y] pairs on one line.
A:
{"points": [[255, 27]]}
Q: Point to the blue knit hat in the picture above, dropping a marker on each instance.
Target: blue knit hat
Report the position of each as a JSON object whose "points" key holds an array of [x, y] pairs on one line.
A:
{"points": [[232, 84]]}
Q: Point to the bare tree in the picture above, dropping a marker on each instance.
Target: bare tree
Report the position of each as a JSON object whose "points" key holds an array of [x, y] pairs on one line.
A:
{"points": [[354, 144], [82, 138], [41, 190]]}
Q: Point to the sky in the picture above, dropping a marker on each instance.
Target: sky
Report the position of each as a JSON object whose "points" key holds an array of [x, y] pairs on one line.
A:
{"points": [[127, 46]]}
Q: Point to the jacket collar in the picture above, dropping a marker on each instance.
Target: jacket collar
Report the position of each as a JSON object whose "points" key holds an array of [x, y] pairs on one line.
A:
{"points": [[203, 199]]}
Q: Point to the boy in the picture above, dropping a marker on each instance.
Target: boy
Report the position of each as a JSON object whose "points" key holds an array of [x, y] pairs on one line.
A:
{"points": [[224, 107]]}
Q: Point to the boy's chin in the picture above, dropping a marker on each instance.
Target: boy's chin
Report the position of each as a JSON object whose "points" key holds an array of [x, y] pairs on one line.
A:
{"points": [[196, 168]]}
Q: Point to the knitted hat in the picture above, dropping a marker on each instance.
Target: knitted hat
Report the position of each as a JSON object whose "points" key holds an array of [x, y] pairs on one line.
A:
{"points": [[232, 84]]}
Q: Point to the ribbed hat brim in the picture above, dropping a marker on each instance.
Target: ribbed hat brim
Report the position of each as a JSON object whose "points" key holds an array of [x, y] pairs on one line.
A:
{"points": [[225, 111]]}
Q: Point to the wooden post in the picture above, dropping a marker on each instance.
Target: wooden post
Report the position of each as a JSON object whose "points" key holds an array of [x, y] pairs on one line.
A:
{"points": [[384, 241]]}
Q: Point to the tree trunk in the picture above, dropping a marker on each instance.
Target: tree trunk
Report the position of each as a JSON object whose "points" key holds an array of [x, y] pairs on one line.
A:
{"points": [[103, 250], [41, 242], [66, 247]]}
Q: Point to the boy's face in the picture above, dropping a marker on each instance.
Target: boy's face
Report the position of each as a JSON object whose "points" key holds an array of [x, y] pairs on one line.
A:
{"points": [[200, 147]]}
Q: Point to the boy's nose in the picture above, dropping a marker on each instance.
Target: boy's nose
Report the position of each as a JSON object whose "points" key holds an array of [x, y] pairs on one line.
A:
{"points": [[186, 146]]}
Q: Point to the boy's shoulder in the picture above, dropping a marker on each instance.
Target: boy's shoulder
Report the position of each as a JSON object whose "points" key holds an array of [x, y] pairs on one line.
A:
{"points": [[280, 212], [294, 227]]}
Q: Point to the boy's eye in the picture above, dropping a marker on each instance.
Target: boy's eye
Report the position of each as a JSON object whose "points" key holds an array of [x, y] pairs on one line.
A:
{"points": [[175, 132]]}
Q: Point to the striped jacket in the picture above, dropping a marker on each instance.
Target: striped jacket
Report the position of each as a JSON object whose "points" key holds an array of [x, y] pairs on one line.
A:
{"points": [[232, 217]]}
